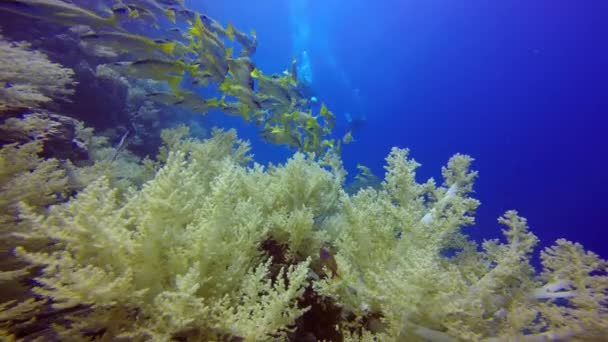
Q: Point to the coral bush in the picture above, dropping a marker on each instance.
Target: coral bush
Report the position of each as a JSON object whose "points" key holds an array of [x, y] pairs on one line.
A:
{"points": [[29, 179], [184, 252], [121, 167], [28, 78], [215, 248], [24, 178]]}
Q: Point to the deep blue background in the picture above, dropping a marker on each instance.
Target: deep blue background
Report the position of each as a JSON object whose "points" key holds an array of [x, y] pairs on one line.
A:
{"points": [[519, 85]]}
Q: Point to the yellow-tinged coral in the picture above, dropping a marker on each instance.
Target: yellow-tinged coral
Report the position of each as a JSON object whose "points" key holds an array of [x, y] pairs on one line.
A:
{"points": [[214, 248], [28, 78], [185, 251], [29, 184], [24, 178], [391, 268], [121, 167]]}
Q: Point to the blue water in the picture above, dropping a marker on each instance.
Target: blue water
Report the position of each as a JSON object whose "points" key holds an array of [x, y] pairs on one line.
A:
{"points": [[519, 85]]}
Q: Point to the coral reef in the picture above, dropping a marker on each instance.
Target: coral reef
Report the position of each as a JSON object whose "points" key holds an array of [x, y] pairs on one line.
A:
{"points": [[28, 79], [216, 248], [29, 177], [201, 243]]}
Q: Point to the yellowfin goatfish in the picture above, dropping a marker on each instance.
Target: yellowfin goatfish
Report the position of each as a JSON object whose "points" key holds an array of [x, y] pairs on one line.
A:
{"points": [[281, 135], [135, 12], [249, 45], [154, 6], [215, 68], [129, 42], [217, 28], [59, 11], [328, 116], [240, 69], [208, 39], [194, 102], [244, 94], [348, 138], [235, 108], [302, 119], [160, 70], [271, 87], [232, 108]]}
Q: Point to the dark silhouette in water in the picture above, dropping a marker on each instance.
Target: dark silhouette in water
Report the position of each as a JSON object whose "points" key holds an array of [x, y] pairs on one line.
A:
{"points": [[356, 120]]}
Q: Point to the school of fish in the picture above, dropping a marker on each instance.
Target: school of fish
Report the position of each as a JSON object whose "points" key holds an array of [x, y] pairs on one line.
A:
{"points": [[164, 41]]}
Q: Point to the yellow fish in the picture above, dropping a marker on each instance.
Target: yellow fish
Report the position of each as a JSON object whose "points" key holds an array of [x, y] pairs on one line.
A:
{"points": [[60, 12], [129, 42], [230, 31], [161, 70], [328, 116], [281, 135], [348, 138]]}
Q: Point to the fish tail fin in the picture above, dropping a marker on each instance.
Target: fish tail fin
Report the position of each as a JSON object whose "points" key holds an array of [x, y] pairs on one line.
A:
{"points": [[170, 14], [113, 21], [174, 82], [244, 109], [229, 52], [193, 68], [230, 31], [168, 48], [256, 73], [225, 86]]}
